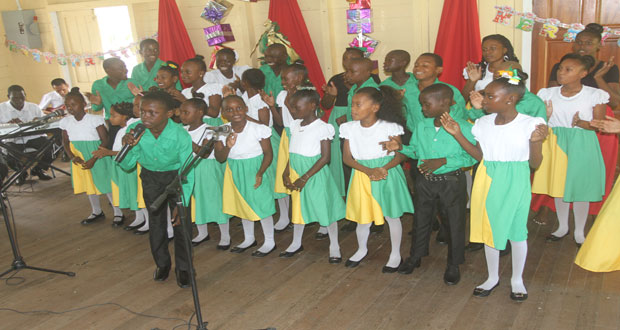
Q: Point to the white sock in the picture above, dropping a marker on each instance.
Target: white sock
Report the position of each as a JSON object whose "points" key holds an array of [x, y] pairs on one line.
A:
{"points": [[492, 256], [561, 208], [169, 227], [117, 210], [267, 225], [139, 218], [470, 182], [580, 212], [322, 230], [202, 233], [224, 233], [145, 214], [298, 233], [283, 221], [362, 232], [396, 234], [334, 246], [248, 233], [519, 254], [95, 205]]}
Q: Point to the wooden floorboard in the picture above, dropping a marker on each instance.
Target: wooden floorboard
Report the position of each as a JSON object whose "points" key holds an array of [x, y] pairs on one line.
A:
{"points": [[304, 292]]}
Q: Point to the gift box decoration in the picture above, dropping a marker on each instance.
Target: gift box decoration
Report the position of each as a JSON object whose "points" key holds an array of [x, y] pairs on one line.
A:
{"points": [[213, 12], [359, 4], [218, 34], [364, 43], [358, 20]]}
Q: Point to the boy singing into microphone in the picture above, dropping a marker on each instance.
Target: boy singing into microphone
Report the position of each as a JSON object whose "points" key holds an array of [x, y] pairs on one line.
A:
{"points": [[162, 150]]}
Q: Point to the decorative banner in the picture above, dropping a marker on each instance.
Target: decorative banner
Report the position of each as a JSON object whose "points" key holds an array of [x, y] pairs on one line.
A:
{"points": [[358, 20], [73, 59], [551, 26]]}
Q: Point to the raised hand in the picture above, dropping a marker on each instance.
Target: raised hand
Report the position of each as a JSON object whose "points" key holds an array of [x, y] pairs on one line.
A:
{"points": [[604, 69], [449, 124], [269, 99], [330, 89], [392, 145], [94, 98], [540, 133], [231, 140], [135, 90], [228, 90], [474, 72], [476, 99], [549, 106]]}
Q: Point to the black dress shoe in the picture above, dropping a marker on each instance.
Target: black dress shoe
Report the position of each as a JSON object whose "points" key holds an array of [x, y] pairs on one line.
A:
{"points": [[223, 247], [130, 228], [95, 217], [480, 292], [553, 238], [259, 254], [320, 236], [389, 270], [349, 226], [517, 296], [408, 266], [202, 240], [42, 175], [335, 260], [352, 264], [116, 222], [237, 249], [471, 247], [141, 232], [452, 276], [289, 226], [183, 280], [285, 254], [161, 273]]}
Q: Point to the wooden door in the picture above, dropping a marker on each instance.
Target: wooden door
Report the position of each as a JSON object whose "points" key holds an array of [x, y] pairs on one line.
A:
{"points": [[546, 52], [80, 34]]}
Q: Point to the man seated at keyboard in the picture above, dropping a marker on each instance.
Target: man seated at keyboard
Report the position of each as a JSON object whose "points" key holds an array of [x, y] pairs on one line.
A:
{"points": [[15, 111]]}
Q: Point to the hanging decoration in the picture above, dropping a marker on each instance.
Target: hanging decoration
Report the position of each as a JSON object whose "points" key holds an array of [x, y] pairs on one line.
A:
{"points": [[72, 59], [550, 26], [215, 10], [218, 34], [359, 21], [272, 35]]}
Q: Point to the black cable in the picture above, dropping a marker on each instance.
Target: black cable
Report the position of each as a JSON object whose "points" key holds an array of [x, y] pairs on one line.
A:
{"points": [[188, 322]]}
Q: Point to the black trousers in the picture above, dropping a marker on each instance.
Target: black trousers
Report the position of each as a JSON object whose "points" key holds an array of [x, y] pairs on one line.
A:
{"points": [[452, 196], [37, 144], [112, 131], [153, 185]]}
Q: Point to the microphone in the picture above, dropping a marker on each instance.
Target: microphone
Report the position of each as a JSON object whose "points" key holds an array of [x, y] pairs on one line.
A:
{"points": [[137, 131], [54, 114], [221, 130]]}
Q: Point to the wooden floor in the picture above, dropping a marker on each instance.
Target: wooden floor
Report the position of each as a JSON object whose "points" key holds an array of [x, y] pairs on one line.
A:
{"points": [[306, 292]]}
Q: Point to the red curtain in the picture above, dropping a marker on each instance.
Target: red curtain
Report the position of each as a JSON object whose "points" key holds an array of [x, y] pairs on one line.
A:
{"points": [[288, 15], [459, 29], [174, 43]]}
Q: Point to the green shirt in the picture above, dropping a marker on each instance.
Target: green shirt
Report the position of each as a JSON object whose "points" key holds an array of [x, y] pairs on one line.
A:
{"points": [[168, 152], [273, 83], [145, 78], [530, 105], [368, 83], [414, 107], [429, 143], [111, 95]]}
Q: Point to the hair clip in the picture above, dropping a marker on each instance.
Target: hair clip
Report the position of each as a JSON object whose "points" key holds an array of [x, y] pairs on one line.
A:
{"points": [[171, 65], [306, 88]]}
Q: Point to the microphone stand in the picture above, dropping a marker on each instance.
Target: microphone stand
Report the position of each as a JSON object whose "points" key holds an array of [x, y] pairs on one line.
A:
{"points": [[175, 188]]}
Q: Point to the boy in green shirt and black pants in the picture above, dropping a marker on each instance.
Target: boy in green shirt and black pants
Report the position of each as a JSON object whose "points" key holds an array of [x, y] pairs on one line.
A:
{"points": [[162, 150]]}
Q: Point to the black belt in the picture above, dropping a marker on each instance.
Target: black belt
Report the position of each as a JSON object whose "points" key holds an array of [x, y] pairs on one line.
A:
{"points": [[450, 176]]}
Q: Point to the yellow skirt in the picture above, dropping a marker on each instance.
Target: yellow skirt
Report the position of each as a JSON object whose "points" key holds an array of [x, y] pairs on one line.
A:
{"points": [[601, 250]]}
